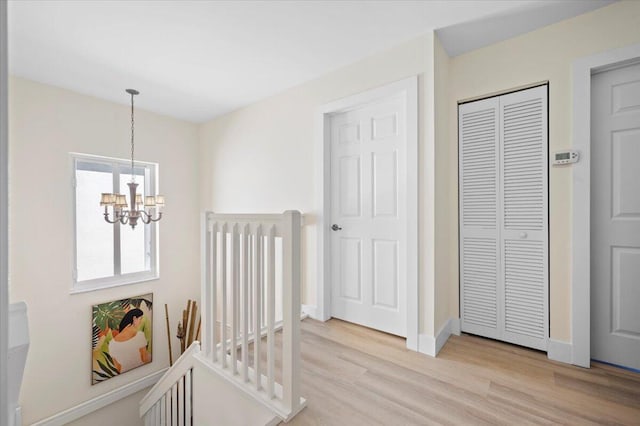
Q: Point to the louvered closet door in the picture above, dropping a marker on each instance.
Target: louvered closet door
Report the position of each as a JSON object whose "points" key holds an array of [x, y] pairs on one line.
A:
{"points": [[524, 233], [504, 217], [479, 219]]}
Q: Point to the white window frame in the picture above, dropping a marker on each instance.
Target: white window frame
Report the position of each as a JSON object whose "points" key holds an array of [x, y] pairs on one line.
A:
{"points": [[151, 230]]}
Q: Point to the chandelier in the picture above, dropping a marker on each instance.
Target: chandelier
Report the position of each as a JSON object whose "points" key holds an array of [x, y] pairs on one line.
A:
{"points": [[124, 212]]}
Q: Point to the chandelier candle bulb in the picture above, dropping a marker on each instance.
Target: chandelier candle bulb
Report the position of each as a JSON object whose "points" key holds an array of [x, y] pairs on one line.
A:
{"points": [[129, 214]]}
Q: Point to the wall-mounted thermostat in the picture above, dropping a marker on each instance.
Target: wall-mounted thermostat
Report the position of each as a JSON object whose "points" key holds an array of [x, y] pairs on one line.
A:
{"points": [[565, 157]]}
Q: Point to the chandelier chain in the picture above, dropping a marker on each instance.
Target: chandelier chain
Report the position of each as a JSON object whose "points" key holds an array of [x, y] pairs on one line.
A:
{"points": [[133, 175]]}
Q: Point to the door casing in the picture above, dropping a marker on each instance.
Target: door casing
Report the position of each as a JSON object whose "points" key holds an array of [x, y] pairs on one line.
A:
{"points": [[583, 68], [408, 88]]}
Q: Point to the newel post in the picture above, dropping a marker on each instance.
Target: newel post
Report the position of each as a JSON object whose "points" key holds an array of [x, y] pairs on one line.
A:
{"points": [[291, 312]]}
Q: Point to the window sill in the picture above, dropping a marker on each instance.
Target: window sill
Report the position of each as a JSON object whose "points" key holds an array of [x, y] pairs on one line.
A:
{"points": [[96, 286]]}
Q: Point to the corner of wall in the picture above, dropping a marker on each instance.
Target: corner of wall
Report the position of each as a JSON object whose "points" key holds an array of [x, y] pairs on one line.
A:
{"points": [[431, 345]]}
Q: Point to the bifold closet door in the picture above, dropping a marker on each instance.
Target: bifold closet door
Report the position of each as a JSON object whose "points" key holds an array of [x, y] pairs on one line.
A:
{"points": [[479, 175], [524, 232], [504, 217]]}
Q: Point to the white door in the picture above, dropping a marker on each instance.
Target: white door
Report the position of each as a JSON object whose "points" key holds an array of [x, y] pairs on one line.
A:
{"points": [[504, 217], [615, 217], [525, 217], [368, 214], [479, 187]]}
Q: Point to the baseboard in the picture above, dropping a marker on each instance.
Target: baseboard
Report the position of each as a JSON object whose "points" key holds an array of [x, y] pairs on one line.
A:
{"points": [[87, 407], [455, 326], [426, 344], [310, 310], [430, 345], [560, 351]]}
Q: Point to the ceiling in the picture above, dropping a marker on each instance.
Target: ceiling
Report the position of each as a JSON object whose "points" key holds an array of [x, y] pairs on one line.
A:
{"points": [[195, 60]]}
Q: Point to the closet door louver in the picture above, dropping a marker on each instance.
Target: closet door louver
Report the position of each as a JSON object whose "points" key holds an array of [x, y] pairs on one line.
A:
{"points": [[524, 234], [479, 243], [503, 194]]}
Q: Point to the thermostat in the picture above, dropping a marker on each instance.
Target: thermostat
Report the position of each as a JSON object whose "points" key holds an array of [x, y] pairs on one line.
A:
{"points": [[565, 157]]}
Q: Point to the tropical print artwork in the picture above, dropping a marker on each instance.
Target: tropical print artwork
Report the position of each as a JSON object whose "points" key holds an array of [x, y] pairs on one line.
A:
{"points": [[121, 338]]}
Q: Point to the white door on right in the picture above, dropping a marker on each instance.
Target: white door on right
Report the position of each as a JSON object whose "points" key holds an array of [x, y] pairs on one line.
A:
{"points": [[615, 216]]}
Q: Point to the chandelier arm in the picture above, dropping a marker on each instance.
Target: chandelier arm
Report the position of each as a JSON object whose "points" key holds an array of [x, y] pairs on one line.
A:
{"points": [[158, 218], [106, 217], [149, 218]]}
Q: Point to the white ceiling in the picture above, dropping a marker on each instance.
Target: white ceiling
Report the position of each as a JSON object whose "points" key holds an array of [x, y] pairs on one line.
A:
{"points": [[196, 60]]}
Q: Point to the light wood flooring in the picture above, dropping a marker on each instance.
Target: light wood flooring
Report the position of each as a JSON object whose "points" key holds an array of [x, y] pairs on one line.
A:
{"points": [[352, 375]]}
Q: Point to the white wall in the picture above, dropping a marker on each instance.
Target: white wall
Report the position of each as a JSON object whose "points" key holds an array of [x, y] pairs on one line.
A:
{"points": [[545, 54], [46, 123], [262, 158]]}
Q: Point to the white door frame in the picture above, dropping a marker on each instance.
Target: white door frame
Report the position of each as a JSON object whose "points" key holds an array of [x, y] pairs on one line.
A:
{"points": [[409, 88], [583, 68], [4, 212]]}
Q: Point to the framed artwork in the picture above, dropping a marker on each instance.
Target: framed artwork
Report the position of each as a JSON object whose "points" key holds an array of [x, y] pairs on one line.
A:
{"points": [[122, 336]]}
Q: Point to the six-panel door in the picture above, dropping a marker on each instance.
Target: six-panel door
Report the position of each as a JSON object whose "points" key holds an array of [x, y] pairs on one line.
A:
{"points": [[368, 156]]}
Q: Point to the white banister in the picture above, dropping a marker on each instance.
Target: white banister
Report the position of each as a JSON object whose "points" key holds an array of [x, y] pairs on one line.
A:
{"points": [[249, 261], [169, 402]]}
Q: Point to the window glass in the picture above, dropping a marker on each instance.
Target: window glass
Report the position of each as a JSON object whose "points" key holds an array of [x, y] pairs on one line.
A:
{"points": [[111, 254], [94, 241]]}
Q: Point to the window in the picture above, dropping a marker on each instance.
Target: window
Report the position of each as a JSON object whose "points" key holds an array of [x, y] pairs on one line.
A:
{"points": [[108, 255]]}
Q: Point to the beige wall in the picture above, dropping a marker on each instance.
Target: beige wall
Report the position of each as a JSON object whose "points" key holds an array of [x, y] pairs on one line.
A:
{"points": [[443, 213], [262, 158], [545, 54], [46, 123]]}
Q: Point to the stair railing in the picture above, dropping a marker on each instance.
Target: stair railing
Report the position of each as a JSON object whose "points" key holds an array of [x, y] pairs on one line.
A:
{"points": [[251, 305]]}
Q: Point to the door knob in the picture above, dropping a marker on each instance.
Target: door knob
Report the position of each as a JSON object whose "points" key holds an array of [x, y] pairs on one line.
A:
{"points": [[335, 227], [523, 235]]}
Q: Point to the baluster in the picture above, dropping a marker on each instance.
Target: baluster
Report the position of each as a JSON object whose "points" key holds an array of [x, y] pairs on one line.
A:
{"points": [[152, 412], [271, 308], [167, 407], [245, 303], [174, 404], [257, 300], [163, 410], [214, 293], [223, 270], [235, 250], [181, 401], [187, 398]]}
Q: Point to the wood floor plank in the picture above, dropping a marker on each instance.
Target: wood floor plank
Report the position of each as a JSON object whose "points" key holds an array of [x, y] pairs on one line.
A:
{"points": [[353, 375]]}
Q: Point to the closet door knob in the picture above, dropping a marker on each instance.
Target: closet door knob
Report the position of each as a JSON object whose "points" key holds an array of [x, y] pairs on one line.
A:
{"points": [[335, 227], [523, 235]]}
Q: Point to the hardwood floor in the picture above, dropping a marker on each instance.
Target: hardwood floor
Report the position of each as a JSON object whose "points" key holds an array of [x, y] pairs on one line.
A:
{"points": [[356, 376]]}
